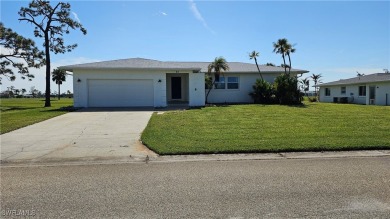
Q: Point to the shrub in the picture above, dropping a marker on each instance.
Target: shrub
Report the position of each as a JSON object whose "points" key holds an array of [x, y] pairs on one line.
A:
{"points": [[301, 96], [286, 89], [314, 99], [262, 92]]}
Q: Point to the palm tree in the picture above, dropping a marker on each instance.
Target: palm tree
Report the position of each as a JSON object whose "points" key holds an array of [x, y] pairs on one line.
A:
{"points": [[11, 91], [289, 49], [12, 88], [59, 76], [305, 85], [359, 74], [219, 65], [33, 91], [254, 55], [316, 79], [284, 66], [280, 48]]}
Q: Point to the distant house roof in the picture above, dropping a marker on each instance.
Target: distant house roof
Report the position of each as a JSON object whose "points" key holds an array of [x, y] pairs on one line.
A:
{"points": [[141, 63], [377, 77]]}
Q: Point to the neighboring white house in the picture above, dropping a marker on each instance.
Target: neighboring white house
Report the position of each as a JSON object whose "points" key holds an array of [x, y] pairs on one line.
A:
{"points": [[373, 89], [139, 82]]}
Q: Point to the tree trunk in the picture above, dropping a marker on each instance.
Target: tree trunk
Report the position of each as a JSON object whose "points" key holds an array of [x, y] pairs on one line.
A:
{"points": [[284, 62], [289, 60], [208, 92], [259, 69], [47, 53], [59, 91]]}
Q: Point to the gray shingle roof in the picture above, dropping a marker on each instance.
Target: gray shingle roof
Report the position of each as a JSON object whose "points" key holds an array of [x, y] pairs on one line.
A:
{"points": [[377, 77], [141, 63]]}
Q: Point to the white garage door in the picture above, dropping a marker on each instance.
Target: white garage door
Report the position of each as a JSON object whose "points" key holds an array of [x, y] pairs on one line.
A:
{"points": [[120, 93]]}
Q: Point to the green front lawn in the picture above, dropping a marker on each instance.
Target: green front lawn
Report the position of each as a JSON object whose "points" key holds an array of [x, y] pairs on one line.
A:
{"points": [[269, 128], [20, 112]]}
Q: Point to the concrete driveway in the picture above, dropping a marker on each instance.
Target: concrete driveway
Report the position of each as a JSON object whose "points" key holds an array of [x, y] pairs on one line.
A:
{"points": [[97, 134]]}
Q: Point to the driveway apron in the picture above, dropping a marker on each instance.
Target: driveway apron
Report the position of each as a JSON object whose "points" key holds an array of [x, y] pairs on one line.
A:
{"points": [[80, 135]]}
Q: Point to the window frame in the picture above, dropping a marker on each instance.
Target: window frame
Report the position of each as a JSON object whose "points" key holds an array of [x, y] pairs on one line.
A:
{"points": [[230, 83], [218, 83], [364, 91], [327, 92], [343, 90]]}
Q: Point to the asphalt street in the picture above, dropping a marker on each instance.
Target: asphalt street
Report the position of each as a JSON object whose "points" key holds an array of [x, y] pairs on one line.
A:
{"points": [[289, 188]]}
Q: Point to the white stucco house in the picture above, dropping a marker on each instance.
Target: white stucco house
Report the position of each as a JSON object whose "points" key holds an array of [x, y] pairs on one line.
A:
{"points": [[138, 82], [373, 89]]}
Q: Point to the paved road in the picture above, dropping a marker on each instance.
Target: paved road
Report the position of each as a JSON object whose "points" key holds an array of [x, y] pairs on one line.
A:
{"points": [[83, 135], [303, 188]]}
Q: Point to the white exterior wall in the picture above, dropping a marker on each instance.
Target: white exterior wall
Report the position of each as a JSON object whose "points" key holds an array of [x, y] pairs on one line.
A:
{"points": [[241, 95], [352, 92], [381, 90], [334, 92], [194, 91], [81, 88]]}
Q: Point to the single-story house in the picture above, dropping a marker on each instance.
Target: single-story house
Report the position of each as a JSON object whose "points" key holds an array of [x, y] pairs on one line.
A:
{"points": [[373, 89], [140, 82]]}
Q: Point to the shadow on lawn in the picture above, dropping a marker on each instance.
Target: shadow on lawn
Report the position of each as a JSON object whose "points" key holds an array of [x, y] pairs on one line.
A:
{"points": [[217, 105], [64, 109], [51, 100], [14, 108], [276, 104], [254, 104], [299, 105]]}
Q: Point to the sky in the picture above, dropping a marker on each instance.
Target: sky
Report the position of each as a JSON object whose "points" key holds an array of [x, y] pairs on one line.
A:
{"points": [[336, 39]]}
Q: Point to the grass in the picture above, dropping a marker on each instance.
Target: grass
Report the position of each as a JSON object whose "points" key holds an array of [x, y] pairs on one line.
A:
{"points": [[269, 128], [16, 113]]}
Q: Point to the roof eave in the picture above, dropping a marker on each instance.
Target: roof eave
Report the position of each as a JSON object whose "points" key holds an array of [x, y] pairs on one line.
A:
{"points": [[266, 72], [71, 68], [363, 82]]}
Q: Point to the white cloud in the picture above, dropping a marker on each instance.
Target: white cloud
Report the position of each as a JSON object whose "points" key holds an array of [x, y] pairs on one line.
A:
{"points": [[198, 15], [196, 12], [162, 13], [76, 16]]}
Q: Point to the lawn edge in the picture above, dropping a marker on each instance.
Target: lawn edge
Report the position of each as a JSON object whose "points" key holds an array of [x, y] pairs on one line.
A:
{"points": [[263, 151]]}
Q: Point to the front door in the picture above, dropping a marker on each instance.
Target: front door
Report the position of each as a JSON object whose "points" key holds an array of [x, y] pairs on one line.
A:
{"points": [[372, 95], [176, 87]]}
